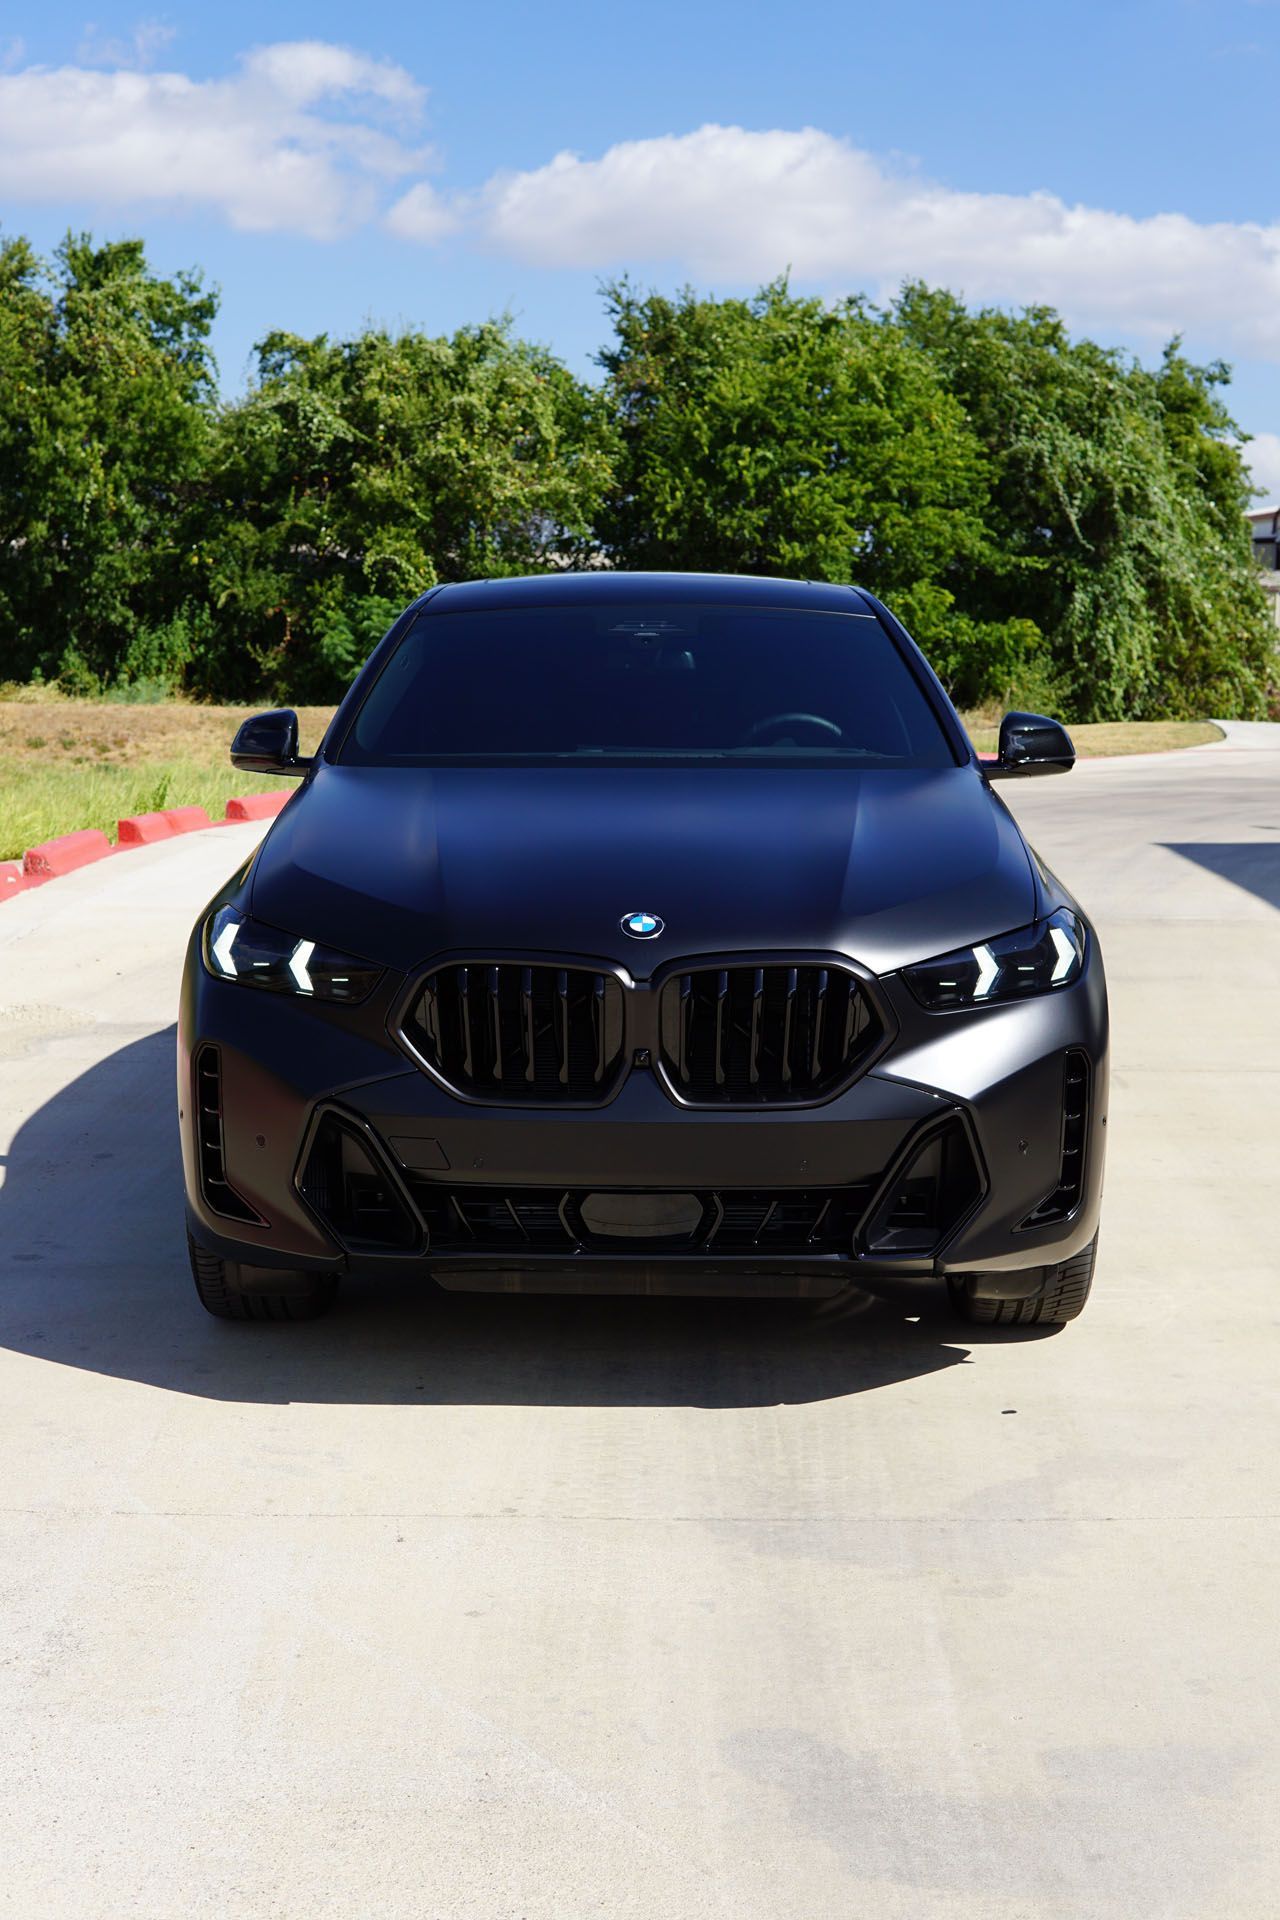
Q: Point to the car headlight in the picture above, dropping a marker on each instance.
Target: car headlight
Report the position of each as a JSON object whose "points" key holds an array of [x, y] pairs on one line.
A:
{"points": [[1036, 959], [253, 955]]}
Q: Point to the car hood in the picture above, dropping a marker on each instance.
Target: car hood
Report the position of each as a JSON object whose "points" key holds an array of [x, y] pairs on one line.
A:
{"points": [[397, 864]]}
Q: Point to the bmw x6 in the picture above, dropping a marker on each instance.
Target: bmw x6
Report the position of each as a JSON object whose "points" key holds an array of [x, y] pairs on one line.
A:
{"points": [[648, 933]]}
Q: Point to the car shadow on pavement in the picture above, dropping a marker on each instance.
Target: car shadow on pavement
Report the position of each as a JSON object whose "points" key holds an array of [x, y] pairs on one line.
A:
{"points": [[1251, 864], [93, 1274]]}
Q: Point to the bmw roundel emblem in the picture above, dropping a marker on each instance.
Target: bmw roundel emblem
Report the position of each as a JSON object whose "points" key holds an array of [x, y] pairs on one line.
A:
{"points": [[642, 926]]}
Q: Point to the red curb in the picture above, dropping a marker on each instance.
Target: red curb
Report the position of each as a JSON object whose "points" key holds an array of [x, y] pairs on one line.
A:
{"points": [[187, 819], [65, 854], [257, 806], [142, 830], [71, 850]]}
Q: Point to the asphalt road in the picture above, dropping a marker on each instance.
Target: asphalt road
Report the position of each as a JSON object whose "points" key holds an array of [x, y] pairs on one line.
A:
{"points": [[532, 1610]]}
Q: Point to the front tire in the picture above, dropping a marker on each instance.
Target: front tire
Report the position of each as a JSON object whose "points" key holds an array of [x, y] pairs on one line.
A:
{"points": [[1061, 1298], [301, 1296]]}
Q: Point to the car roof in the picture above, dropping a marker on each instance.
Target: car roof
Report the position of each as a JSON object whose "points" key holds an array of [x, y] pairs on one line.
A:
{"points": [[603, 587]]}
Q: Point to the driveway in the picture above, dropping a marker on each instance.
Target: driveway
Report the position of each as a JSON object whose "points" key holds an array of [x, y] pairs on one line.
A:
{"points": [[526, 1609]]}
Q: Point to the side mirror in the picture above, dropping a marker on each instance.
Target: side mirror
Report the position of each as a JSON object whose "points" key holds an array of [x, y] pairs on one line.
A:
{"points": [[268, 743], [1030, 744]]}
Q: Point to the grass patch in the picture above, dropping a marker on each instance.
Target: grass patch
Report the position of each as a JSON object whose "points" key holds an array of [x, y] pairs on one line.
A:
{"points": [[87, 763], [1108, 736]]}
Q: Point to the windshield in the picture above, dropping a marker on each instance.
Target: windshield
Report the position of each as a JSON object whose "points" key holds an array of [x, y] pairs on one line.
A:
{"points": [[627, 685]]}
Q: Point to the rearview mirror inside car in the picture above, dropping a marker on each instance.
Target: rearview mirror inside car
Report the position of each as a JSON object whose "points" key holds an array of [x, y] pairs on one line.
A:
{"points": [[1031, 744], [268, 743]]}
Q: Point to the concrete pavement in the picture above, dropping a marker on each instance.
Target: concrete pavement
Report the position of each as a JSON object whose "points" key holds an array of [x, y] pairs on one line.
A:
{"points": [[525, 1609]]}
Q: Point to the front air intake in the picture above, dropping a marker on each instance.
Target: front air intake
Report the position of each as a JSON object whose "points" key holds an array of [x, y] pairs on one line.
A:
{"points": [[508, 1031], [343, 1180], [935, 1186], [767, 1035], [219, 1194], [1065, 1198]]}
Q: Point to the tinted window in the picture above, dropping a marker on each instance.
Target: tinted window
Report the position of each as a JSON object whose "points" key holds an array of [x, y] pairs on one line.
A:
{"points": [[632, 683]]}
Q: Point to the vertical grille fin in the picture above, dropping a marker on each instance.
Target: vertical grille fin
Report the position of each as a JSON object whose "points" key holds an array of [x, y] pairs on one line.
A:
{"points": [[682, 1028], [464, 1008], [757, 1015], [597, 1023], [562, 1023], [788, 1023], [722, 998], [526, 1020], [819, 1012], [495, 1020]]}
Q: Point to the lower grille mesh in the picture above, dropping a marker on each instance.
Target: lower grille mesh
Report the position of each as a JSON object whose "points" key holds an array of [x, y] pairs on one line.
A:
{"points": [[546, 1220]]}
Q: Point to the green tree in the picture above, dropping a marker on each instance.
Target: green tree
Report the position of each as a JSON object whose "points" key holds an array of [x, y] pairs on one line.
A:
{"points": [[106, 385], [779, 435], [1115, 513], [1054, 521], [357, 473]]}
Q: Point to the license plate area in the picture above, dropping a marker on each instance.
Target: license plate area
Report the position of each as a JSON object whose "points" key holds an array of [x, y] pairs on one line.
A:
{"points": [[667, 1219]]}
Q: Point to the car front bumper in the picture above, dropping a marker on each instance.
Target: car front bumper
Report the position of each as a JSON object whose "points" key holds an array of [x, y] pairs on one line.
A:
{"points": [[996, 1072]]}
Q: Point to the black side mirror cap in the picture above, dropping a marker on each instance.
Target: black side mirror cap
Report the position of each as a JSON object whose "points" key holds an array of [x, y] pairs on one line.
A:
{"points": [[268, 743], [1030, 744]]}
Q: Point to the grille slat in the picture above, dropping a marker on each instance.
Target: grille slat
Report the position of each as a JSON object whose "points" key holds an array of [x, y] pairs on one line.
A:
{"points": [[722, 998], [597, 1022], [562, 1004], [764, 1034], [514, 1032], [464, 1009], [757, 1011], [819, 1014], [495, 1016], [788, 1021], [526, 1019], [682, 1030]]}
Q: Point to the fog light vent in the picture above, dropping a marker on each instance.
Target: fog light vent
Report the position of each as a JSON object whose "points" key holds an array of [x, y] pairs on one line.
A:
{"points": [[930, 1193], [356, 1198]]}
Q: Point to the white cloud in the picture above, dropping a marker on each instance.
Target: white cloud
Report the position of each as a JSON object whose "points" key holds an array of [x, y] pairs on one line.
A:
{"points": [[305, 71], [139, 50], [734, 205], [1262, 457], [423, 215], [314, 138], [303, 137]]}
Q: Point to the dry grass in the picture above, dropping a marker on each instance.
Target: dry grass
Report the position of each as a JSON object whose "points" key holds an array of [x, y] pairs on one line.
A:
{"points": [[1108, 736], [86, 763]]}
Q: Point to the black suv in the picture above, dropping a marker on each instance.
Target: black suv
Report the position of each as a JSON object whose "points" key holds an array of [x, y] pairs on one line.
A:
{"points": [[647, 933]]}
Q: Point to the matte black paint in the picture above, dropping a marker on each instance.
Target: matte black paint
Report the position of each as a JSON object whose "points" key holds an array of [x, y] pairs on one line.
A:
{"points": [[404, 866]]}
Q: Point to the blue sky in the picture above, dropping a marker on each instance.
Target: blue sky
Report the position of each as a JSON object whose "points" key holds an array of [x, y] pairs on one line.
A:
{"points": [[330, 165]]}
